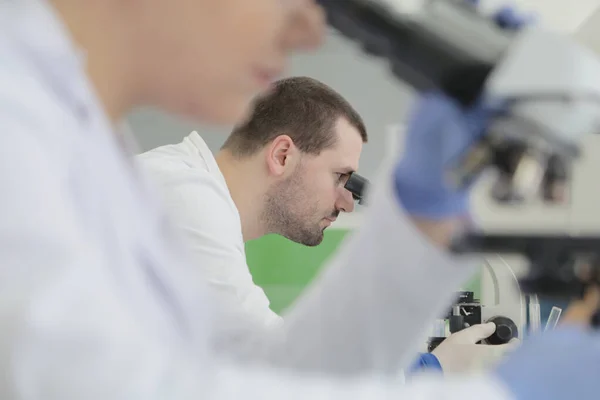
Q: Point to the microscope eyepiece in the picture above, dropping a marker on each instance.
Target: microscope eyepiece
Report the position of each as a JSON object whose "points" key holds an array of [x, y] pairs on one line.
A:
{"points": [[356, 185]]}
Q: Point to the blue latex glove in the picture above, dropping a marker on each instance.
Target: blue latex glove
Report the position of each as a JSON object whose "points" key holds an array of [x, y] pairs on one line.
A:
{"points": [[426, 362], [507, 17], [439, 131], [561, 364]]}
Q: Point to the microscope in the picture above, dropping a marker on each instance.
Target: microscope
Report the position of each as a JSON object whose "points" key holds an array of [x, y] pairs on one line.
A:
{"points": [[468, 311], [502, 302], [548, 88]]}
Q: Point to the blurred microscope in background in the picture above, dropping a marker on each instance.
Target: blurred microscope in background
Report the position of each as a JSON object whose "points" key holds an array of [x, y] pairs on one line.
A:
{"points": [[549, 88]]}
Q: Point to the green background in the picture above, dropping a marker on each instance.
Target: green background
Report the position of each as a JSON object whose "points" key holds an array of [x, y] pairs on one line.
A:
{"points": [[283, 268]]}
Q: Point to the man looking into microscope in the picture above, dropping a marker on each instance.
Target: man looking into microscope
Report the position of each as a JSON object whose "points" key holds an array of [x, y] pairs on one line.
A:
{"points": [[282, 171]]}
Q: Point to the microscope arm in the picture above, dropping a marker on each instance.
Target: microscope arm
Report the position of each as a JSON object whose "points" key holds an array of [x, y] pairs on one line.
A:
{"points": [[424, 43]]}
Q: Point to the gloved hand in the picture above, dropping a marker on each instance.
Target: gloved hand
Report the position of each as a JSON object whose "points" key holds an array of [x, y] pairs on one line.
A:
{"points": [[459, 353], [560, 364], [440, 130]]}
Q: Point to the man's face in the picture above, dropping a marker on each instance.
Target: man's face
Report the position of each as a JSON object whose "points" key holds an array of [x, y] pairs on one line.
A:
{"points": [[207, 59], [303, 205]]}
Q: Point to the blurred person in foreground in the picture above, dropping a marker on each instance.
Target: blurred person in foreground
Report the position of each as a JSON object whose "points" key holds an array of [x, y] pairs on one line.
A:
{"points": [[93, 302]]}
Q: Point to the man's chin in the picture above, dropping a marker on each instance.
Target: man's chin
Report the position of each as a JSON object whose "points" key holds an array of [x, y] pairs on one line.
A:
{"points": [[305, 239], [318, 240], [314, 241]]}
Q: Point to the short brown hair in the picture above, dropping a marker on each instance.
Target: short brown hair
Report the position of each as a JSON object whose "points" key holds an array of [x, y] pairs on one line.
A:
{"points": [[303, 108]]}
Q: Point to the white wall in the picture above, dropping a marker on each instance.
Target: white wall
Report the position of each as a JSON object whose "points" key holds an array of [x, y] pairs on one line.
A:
{"points": [[588, 32], [562, 15]]}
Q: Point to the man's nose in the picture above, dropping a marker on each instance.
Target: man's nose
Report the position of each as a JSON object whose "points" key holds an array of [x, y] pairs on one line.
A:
{"points": [[305, 26], [345, 201]]}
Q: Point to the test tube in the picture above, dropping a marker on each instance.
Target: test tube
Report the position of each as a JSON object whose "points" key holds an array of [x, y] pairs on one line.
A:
{"points": [[553, 318], [439, 328], [535, 318]]}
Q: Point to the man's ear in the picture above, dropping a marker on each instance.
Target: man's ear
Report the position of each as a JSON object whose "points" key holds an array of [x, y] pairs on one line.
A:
{"points": [[281, 155]]}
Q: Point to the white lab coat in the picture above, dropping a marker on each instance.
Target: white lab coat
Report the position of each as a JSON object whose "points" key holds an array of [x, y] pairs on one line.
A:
{"points": [[196, 195], [95, 301]]}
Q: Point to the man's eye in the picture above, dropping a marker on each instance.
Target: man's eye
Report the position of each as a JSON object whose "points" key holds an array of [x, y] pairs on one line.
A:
{"points": [[342, 178]]}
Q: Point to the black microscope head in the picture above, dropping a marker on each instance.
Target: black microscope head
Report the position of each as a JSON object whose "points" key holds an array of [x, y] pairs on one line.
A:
{"points": [[356, 185]]}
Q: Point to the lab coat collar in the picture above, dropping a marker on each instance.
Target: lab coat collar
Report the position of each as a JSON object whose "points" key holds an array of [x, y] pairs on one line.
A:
{"points": [[40, 35], [44, 38], [36, 26], [202, 148]]}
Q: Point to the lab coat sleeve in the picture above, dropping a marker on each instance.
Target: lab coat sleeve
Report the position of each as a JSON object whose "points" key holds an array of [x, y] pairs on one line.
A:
{"points": [[67, 334], [64, 334], [257, 385], [370, 309]]}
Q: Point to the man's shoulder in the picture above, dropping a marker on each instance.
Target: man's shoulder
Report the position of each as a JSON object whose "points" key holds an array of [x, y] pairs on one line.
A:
{"points": [[175, 168], [174, 163], [174, 158], [171, 155]]}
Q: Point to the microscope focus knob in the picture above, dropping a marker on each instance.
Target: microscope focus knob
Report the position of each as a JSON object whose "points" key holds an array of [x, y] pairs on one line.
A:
{"points": [[506, 330]]}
